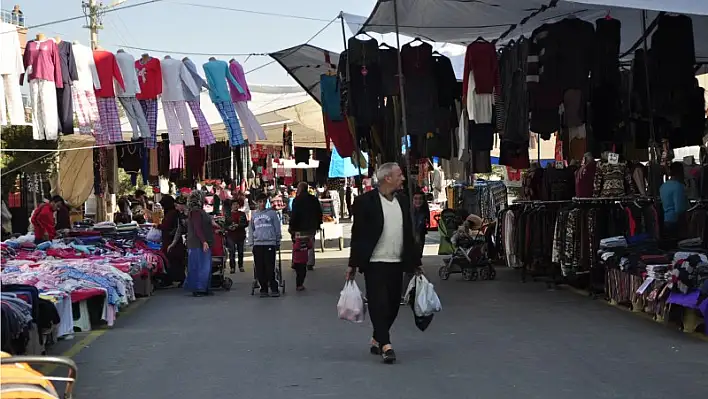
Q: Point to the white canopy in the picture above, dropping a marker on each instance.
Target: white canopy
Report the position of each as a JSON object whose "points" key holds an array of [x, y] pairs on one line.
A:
{"points": [[456, 21], [273, 107]]}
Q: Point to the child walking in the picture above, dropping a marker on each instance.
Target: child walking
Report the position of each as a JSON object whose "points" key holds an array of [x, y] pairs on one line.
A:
{"points": [[236, 223], [266, 234]]}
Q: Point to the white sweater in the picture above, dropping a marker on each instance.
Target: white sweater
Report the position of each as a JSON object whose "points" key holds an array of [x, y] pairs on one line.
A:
{"points": [[390, 245]]}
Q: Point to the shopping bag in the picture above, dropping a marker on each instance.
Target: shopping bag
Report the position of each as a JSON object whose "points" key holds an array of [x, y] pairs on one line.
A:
{"points": [[422, 322], [154, 235], [351, 303], [426, 300]]}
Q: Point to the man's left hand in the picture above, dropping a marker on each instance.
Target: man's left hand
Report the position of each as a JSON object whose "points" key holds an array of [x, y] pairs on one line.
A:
{"points": [[419, 271]]}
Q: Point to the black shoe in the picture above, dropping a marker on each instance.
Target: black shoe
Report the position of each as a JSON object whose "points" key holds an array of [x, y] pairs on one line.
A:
{"points": [[310, 267], [233, 270], [264, 294], [198, 294], [389, 357], [375, 349], [275, 294], [240, 268]]}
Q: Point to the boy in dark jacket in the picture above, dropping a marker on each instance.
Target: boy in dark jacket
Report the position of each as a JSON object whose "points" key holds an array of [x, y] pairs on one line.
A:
{"points": [[236, 223]]}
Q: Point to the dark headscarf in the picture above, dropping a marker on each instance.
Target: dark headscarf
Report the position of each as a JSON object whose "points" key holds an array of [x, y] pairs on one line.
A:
{"points": [[182, 200], [167, 202]]}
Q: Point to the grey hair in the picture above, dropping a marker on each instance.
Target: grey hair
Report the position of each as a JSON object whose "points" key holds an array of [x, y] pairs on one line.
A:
{"points": [[385, 170]]}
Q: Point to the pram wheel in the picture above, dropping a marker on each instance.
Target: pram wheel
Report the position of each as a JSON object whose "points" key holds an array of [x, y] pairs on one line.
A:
{"points": [[469, 274], [444, 272], [492, 273], [484, 273], [227, 283]]}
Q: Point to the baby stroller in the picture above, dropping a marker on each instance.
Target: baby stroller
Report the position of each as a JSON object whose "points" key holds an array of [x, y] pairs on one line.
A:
{"points": [[469, 256], [218, 262], [278, 277], [19, 380]]}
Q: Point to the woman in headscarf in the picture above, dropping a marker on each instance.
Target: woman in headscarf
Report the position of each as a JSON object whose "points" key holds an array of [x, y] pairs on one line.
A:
{"points": [[171, 234], [200, 238]]}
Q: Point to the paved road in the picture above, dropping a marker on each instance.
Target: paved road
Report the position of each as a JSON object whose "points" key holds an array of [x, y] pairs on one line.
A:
{"points": [[493, 340]]}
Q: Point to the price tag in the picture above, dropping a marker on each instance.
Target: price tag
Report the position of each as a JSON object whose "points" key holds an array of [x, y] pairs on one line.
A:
{"points": [[613, 158], [645, 285]]}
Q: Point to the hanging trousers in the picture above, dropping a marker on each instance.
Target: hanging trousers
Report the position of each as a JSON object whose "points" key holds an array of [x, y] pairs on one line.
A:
{"points": [[45, 118], [264, 263], [177, 156], [233, 127], [383, 291], [87, 116], [110, 121], [150, 110], [11, 100], [136, 117], [179, 127], [253, 129], [206, 137], [65, 109]]}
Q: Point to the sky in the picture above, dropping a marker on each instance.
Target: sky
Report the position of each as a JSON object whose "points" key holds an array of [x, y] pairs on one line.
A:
{"points": [[178, 29]]}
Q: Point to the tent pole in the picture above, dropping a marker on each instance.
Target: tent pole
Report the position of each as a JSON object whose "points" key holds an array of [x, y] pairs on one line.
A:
{"points": [[404, 118], [652, 133], [357, 162]]}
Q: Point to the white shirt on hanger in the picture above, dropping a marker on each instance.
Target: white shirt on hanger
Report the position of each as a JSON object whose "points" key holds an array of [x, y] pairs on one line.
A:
{"points": [[174, 72], [85, 67], [126, 64], [11, 59]]}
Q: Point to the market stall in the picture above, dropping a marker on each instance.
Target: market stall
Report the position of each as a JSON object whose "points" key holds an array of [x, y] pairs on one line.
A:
{"points": [[331, 229]]}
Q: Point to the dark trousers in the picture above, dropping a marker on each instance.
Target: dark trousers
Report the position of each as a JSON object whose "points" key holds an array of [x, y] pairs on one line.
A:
{"points": [[383, 292], [300, 273], [233, 246], [66, 110], [264, 263]]}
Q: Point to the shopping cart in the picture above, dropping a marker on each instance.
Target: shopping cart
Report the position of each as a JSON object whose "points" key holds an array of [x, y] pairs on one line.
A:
{"points": [[18, 380]]}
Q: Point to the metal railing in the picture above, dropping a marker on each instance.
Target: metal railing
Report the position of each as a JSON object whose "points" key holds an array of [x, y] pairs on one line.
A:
{"points": [[11, 17]]}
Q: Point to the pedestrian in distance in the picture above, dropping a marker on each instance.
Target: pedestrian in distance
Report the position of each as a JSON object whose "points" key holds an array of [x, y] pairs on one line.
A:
{"points": [[200, 239], [383, 248], [265, 232], [236, 223], [305, 220]]}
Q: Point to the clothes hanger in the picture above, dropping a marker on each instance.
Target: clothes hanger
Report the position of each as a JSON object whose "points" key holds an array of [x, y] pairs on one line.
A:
{"points": [[417, 39], [365, 34], [480, 39], [386, 45]]}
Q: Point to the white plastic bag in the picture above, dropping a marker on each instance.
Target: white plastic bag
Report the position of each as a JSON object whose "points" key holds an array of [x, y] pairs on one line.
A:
{"points": [[154, 235], [351, 303], [426, 300]]}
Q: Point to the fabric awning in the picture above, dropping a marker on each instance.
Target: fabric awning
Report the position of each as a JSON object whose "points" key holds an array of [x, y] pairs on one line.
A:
{"points": [[306, 63], [460, 22]]}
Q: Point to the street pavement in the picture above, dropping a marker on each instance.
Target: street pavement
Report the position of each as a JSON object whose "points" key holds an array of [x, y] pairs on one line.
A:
{"points": [[493, 340]]}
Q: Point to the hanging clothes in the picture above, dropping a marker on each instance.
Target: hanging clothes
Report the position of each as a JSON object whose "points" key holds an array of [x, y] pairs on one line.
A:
{"points": [[176, 156], [388, 59], [174, 75], [364, 83], [11, 68], [130, 159], [42, 60], [195, 156], [127, 97], [239, 92], [108, 71], [302, 155], [150, 80], [69, 74], [330, 97], [84, 98], [253, 129], [420, 88], [217, 72], [206, 137]]}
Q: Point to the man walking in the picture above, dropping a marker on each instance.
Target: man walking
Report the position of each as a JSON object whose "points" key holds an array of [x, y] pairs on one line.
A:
{"points": [[305, 220], [383, 248]]}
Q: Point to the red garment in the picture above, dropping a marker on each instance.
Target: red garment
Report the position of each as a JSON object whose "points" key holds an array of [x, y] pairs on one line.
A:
{"points": [[338, 132], [481, 59], [149, 78], [632, 222], [107, 68], [43, 222]]}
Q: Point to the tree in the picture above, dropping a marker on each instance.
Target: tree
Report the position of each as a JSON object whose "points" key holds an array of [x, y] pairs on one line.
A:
{"points": [[16, 162]]}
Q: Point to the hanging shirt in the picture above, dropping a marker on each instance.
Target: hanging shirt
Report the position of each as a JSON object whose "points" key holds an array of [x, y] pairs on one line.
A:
{"points": [[126, 64], [67, 63], [41, 61], [174, 74], [85, 68], [481, 59], [238, 93], [217, 72], [149, 79], [108, 70], [188, 95], [11, 60]]}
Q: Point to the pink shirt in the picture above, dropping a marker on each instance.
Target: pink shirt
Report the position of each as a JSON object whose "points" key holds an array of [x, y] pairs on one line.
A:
{"points": [[237, 72], [42, 59]]}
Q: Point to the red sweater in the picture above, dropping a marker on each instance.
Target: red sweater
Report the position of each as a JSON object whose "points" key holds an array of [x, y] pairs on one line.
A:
{"points": [[107, 68], [43, 222], [150, 79], [481, 59]]}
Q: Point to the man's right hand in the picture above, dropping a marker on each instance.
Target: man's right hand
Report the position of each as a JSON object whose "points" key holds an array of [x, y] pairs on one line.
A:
{"points": [[351, 273]]}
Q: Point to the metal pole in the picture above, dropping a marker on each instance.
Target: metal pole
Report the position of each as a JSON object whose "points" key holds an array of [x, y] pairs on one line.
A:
{"points": [[93, 25], [404, 118], [357, 165], [652, 135]]}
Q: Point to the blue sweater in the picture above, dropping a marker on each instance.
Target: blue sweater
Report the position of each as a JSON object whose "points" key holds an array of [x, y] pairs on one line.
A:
{"points": [[217, 72], [673, 199]]}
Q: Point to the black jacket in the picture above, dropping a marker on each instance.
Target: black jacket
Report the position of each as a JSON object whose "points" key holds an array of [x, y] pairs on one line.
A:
{"points": [[368, 226], [306, 214]]}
